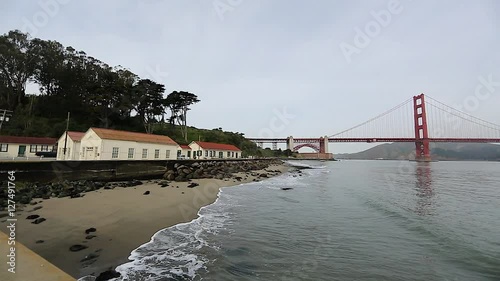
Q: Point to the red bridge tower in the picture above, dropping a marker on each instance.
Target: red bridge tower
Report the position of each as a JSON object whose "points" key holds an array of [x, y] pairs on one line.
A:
{"points": [[423, 153]]}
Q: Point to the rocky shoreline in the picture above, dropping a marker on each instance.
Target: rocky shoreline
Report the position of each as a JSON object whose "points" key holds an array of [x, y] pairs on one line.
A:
{"points": [[27, 192], [77, 225]]}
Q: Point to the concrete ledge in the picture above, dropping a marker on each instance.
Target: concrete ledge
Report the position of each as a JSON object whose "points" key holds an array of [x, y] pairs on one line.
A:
{"points": [[29, 266]]}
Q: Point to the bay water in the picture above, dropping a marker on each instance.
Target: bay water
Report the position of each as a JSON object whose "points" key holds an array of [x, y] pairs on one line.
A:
{"points": [[345, 220]]}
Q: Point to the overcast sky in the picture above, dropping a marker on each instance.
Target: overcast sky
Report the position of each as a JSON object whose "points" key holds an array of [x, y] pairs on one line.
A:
{"points": [[249, 59]]}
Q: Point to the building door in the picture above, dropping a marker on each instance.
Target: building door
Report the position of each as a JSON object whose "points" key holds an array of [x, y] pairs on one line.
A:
{"points": [[89, 153], [22, 151]]}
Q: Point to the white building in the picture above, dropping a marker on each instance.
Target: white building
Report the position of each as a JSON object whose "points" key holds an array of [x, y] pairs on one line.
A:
{"points": [[12, 147], [211, 150], [184, 151], [72, 143], [107, 144]]}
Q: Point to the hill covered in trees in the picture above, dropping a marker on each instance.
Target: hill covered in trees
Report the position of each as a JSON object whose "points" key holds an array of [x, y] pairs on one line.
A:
{"points": [[95, 93]]}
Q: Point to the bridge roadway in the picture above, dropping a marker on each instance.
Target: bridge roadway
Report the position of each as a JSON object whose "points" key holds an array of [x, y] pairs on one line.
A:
{"points": [[370, 140]]}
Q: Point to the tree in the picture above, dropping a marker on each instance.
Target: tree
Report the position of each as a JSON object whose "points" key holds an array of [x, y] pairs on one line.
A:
{"points": [[149, 102], [16, 67], [179, 103]]}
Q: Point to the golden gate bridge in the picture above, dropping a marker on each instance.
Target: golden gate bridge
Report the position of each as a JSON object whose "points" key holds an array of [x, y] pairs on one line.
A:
{"points": [[420, 120]]}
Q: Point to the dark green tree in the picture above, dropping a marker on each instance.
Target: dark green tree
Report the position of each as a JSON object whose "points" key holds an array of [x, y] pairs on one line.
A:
{"points": [[178, 103], [149, 102]]}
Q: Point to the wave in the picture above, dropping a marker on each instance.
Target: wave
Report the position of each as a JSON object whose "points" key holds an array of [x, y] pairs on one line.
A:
{"points": [[299, 165]]}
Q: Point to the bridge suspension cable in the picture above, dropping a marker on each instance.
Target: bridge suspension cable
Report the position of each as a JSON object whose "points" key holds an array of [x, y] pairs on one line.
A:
{"points": [[447, 122], [396, 122]]}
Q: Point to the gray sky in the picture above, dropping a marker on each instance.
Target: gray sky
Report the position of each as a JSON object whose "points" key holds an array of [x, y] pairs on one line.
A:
{"points": [[248, 59]]}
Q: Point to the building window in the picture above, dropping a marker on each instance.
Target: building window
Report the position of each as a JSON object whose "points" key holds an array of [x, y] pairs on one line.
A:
{"points": [[206, 153], [236, 155], [130, 153], [189, 154], [45, 148], [115, 152], [157, 153], [4, 147], [233, 154], [221, 154], [167, 154], [229, 154], [33, 148], [144, 153]]}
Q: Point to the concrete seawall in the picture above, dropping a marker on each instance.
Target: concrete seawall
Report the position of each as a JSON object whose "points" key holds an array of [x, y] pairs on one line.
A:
{"points": [[103, 170]]}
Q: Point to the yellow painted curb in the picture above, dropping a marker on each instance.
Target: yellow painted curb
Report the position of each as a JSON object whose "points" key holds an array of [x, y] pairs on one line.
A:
{"points": [[28, 265]]}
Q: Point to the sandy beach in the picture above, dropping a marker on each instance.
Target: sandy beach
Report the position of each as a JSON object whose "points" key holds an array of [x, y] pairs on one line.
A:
{"points": [[123, 218]]}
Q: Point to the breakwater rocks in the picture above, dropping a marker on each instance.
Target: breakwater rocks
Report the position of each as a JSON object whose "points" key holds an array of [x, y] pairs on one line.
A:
{"points": [[29, 192], [214, 169]]}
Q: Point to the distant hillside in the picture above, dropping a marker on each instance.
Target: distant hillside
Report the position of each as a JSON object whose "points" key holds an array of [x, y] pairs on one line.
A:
{"points": [[439, 151]]}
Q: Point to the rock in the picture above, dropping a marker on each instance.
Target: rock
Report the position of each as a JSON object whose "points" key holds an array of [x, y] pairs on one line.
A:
{"points": [[109, 274], [286, 188], [180, 178], [90, 256], [39, 241], [46, 196], [238, 178], [263, 175], [37, 208], [77, 247], [182, 192], [89, 230], [32, 217], [75, 195], [39, 220], [193, 184], [33, 203], [146, 193], [88, 237]]}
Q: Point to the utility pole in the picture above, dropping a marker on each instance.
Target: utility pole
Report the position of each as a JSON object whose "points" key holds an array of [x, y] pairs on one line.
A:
{"points": [[66, 137], [5, 116]]}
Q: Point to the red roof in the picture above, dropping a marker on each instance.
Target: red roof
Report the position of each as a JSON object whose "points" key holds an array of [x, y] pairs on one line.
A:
{"points": [[132, 136], [185, 146], [76, 136], [27, 140], [217, 146]]}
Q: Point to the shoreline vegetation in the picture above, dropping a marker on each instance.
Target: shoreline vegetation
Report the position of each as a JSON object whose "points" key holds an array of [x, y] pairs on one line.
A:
{"points": [[94, 232]]}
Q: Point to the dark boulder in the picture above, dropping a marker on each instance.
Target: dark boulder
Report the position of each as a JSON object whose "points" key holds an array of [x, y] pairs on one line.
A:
{"points": [[39, 220], [89, 257], [90, 230], [286, 188], [77, 247], [32, 217], [193, 184], [107, 275], [146, 193]]}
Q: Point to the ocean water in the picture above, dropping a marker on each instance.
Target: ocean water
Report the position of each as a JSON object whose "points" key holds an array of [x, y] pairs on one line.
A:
{"points": [[347, 220]]}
